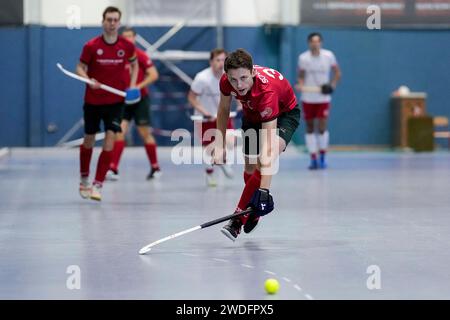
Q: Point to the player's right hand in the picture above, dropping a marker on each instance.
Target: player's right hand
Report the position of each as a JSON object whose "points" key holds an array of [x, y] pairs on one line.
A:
{"points": [[219, 155], [262, 202], [95, 85], [327, 88]]}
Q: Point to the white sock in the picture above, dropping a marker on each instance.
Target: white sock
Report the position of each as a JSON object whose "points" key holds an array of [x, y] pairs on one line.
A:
{"points": [[84, 180], [323, 141], [311, 143]]}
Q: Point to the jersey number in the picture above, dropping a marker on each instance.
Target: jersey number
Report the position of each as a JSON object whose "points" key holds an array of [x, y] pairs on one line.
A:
{"points": [[272, 73]]}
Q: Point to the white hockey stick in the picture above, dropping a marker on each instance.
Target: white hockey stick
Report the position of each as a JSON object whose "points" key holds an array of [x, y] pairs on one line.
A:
{"points": [[89, 81], [312, 89], [199, 117], [78, 142], [148, 247]]}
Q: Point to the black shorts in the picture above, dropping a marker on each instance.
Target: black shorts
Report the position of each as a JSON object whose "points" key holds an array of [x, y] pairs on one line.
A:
{"points": [[139, 112], [287, 123], [110, 114]]}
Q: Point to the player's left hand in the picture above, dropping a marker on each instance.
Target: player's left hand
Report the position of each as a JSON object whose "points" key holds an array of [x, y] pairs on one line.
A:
{"points": [[327, 89], [262, 202], [133, 95]]}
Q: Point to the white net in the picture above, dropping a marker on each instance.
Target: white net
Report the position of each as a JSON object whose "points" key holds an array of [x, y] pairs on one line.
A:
{"points": [[170, 12]]}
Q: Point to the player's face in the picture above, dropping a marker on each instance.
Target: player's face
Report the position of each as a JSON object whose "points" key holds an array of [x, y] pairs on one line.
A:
{"points": [[315, 43], [111, 23], [241, 80], [217, 63], [129, 35]]}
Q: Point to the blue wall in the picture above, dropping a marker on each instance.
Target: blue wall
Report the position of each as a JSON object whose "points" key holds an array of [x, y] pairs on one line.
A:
{"points": [[13, 86], [374, 63]]}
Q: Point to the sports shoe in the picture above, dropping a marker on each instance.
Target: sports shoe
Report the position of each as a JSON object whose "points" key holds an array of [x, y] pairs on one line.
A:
{"points": [[232, 229], [96, 193], [112, 175], [227, 171], [251, 223], [85, 188], [314, 165], [210, 179], [154, 173]]}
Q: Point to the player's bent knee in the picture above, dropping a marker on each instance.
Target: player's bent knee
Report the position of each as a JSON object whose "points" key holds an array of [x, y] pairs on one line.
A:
{"points": [[89, 141]]}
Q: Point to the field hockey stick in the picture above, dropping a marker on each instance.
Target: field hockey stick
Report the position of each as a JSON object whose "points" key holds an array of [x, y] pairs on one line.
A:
{"points": [[199, 117], [89, 81], [148, 247], [311, 89]]}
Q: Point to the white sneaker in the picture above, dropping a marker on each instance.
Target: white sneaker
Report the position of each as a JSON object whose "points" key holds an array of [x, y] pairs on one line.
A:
{"points": [[96, 192], [211, 180], [112, 175], [85, 188], [227, 171]]}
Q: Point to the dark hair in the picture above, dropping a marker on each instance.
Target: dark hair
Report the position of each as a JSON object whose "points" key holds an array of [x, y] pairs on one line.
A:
{"points": [[216, 52], [238, 59], [314, 34], [111, 9], [127, 29]]}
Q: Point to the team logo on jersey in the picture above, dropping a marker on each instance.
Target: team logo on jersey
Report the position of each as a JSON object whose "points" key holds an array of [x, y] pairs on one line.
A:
{"points": [[266, 112], [99, 51], [120, 53]]}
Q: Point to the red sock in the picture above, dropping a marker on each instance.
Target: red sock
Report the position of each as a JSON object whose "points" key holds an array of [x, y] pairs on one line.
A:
{"points": [[102, 166], [119, 145], [85, 160], [313, 156], [322, 152], [252, 184], [246, 176], [150, 148]]}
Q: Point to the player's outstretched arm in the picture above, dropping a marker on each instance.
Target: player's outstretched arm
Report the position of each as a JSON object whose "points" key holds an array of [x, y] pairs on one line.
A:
{"points": [[269, 152]]}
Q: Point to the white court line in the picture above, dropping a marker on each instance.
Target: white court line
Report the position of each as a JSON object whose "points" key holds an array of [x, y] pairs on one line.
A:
{"points": [[190, 254], [4, 152], [296, 286]]}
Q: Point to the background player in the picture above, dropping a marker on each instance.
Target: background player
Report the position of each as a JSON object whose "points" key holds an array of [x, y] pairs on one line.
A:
{"points": [[204, 96], [315, 66], [140, 112], [103, 59], [268, 102]]}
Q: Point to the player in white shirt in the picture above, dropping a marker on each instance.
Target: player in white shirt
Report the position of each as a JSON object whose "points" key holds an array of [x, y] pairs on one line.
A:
{"points": [[204, 96], [315, 67]]}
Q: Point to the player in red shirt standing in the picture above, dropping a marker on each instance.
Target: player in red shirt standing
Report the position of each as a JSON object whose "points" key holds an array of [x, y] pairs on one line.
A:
{"points": [[147, 75], [269, 103], [103, 60]]}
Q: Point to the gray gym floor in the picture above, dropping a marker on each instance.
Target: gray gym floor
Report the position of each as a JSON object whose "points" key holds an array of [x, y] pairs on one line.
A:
{"points": [[387, 210]]}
